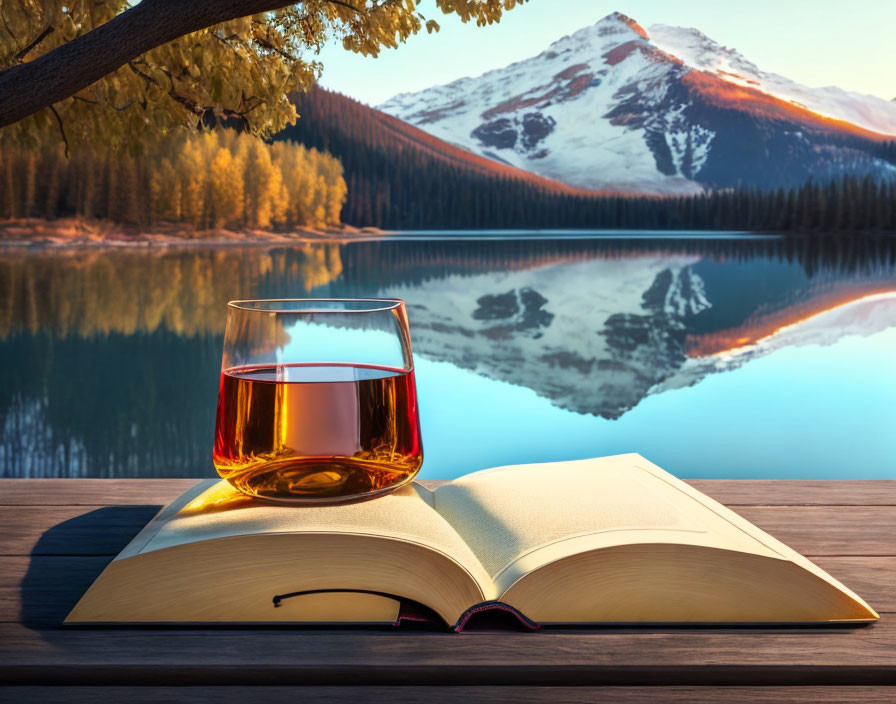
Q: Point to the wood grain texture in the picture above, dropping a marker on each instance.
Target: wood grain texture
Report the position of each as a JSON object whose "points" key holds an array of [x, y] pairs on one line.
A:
{"points": [[793, 492], [71, 530], [828, 530], [731, 492], [40, 591], [825, 655], [438, 695], [91, 492]]}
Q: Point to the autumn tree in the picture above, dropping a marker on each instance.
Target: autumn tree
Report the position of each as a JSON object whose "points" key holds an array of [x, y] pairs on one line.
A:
{"points": [[190, 166], [164, 192], [225, 190], [210, 179], [262, 185], [121, 72]]}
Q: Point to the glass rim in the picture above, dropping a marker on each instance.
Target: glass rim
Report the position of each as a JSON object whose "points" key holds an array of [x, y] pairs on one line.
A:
{"points": [[252, 305]]}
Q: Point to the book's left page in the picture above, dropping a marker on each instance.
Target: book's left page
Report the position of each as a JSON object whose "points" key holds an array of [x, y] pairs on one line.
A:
{"points": [[216, 556]]}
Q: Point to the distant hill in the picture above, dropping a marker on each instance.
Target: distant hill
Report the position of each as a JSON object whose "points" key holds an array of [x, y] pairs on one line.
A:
{"points": [[665, 111], [399, 177]]}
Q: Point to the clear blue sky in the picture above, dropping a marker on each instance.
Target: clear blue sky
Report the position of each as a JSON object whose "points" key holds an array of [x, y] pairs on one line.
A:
{"points": [[817, 42]]}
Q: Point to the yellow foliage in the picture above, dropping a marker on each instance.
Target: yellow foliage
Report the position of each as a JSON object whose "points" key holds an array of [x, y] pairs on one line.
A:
{"points": [[224, 197], [243, 69], [217, 178], [262, 184]]}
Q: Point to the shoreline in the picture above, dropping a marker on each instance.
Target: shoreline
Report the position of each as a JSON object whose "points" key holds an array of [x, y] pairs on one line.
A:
{"points": [[75, 233]]}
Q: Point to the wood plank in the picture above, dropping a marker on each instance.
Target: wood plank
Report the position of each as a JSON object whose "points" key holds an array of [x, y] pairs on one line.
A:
{"points": [[39, 591], [732, 492], [828, 530], [872, 578], [86, 530], [822, 656], [71, 530], [91, 492], [793, 492], [437, 695]]}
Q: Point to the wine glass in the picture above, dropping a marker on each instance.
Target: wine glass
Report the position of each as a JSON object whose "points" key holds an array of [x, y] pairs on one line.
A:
{"points": [[317, 401]]}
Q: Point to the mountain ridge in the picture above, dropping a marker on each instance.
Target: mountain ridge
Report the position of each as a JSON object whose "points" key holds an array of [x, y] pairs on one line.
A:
{"points": [[607, 107]]}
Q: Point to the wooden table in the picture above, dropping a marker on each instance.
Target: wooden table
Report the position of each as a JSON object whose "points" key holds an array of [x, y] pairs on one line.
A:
{"points": [[56, 535]]}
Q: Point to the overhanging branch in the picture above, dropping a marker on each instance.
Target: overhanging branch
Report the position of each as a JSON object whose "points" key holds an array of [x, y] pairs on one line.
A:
{"points": [[71, 67]]}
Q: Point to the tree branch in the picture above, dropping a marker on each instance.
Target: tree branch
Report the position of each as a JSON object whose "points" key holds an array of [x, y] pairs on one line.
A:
{"points": [[40, 37], [61, 129], [60, 73], [346, 5]]}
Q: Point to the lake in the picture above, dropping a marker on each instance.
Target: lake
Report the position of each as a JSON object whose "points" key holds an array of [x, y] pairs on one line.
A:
{"points": [[713, 356]]}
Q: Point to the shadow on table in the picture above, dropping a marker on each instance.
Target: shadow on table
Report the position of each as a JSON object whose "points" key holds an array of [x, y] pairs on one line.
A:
{"points": [[69, 556]]}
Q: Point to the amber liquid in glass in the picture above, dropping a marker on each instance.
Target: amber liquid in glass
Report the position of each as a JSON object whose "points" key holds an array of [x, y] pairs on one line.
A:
{"points": [[317, 432]]}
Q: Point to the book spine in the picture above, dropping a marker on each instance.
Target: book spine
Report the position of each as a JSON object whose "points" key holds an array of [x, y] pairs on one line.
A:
{"points": [[496, 608]]}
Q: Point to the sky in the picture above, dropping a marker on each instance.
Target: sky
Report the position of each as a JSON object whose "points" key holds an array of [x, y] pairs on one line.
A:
{"points": [[816, 42]]}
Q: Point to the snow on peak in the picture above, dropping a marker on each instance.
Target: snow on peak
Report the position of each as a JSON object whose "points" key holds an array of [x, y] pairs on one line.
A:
{"points": [[616, 22], [698, 51], [606, 33]]}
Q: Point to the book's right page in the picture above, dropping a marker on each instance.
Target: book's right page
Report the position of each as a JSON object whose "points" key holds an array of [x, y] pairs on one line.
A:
{"points": [[619, 539]]}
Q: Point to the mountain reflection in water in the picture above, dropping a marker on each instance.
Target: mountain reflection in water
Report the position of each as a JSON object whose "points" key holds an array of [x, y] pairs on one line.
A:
{"points": [[526, 349]]}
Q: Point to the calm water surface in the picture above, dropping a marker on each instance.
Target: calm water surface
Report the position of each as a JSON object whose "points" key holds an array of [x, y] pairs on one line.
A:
{"points": [[713, 357]]}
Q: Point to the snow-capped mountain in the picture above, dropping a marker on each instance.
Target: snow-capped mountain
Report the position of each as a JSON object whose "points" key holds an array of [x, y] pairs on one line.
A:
{"points": [[614, 106]]}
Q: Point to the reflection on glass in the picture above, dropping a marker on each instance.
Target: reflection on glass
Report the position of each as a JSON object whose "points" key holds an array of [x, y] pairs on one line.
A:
{"points": [[317, 401]]}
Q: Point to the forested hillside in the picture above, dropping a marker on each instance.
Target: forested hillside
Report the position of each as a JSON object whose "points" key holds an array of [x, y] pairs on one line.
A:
{"points": [[399, 177], [345, 162], [218, 178]]}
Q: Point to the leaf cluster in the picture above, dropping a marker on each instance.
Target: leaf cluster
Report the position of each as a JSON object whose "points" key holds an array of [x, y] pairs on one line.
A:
{"points": [[242, 70]]}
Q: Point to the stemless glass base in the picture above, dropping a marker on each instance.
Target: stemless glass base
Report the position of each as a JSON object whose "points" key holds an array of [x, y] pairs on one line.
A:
{"points": [[318, 481]]}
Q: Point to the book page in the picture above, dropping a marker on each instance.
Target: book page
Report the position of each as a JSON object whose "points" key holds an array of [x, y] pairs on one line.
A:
{"points": [[220, 511], [519, 519], [508, 514]]}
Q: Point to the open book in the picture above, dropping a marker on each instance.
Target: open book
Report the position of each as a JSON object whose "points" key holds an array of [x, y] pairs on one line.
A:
{"points": [[610, 540]]}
